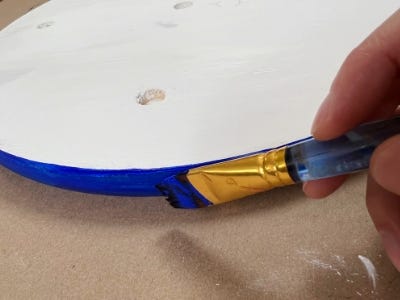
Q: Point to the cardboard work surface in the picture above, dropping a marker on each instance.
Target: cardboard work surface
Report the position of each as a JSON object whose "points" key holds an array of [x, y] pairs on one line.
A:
{"points": [[57, 244]]}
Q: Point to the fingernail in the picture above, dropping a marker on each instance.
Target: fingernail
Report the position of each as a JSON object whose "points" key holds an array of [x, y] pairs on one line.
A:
{"points": [[391, 243], [321, 115]]}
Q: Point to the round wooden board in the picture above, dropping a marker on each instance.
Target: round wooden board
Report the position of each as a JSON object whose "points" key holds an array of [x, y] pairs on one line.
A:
{"points": [[149, 85]]}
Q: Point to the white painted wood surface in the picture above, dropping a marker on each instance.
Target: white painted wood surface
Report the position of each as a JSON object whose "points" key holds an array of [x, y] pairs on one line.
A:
{"points": [[237, 76]]}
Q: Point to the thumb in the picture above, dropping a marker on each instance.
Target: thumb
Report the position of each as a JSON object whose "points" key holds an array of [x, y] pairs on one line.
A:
{"points": [[383, 195], [384, 209], [385, 165]]}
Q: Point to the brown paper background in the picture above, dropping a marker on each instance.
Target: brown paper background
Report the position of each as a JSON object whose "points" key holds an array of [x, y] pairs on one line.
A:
{"points": [[57, 244]]}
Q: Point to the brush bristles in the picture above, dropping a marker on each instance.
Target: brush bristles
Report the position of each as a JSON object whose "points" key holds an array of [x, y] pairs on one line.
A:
{"points": [[180, 193]]}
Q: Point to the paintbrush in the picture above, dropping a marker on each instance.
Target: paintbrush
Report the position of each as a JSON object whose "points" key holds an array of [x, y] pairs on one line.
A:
{"points": [[303, 161]]}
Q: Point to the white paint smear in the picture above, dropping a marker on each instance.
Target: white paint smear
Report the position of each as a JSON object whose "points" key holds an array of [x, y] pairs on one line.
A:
{"points": [[320, 264], [310, 257], [371, 270], [340, 260]]}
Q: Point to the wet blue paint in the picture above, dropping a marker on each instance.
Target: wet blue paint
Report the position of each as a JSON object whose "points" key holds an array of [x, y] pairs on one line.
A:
{"points": [[181, 193], [125, 182], [129, 182]]}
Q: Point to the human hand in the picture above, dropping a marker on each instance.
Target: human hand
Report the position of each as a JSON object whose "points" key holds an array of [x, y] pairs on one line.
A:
{"points": [[367, 87]]}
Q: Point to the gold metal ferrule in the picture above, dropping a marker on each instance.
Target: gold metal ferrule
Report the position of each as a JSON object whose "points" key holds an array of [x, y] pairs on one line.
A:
{"points": [[235, 179]]}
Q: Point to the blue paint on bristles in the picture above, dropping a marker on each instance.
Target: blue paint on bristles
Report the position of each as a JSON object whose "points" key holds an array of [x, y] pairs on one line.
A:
{"points": [[180, 193]]}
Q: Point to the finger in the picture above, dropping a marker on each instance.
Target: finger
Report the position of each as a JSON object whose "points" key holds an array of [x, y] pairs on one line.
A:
{"points": [[321, 188], [388, 106], [385, 165], [384, 208], [362, 82]]}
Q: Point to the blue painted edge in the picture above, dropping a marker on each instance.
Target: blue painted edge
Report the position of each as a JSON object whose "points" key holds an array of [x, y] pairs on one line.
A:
{"points": [[124, 182]]}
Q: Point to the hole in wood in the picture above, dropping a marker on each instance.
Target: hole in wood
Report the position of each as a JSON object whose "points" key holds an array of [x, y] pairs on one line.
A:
{"points": [[149, 96]]}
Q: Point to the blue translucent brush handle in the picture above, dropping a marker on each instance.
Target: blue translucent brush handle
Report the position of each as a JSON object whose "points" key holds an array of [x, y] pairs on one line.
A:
{"points": [[312, 159]]}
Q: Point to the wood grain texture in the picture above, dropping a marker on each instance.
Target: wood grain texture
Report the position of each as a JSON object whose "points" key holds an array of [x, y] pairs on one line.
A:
{"points": [[253, 72], [56, 244]]}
